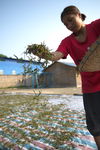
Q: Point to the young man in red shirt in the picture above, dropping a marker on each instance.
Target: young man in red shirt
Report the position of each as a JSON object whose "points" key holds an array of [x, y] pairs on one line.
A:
{"points": [[76, 46]]}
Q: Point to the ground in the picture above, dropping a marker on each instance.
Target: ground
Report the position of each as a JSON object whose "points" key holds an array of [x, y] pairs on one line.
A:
{"points": [[60, 91], [43, 119]]}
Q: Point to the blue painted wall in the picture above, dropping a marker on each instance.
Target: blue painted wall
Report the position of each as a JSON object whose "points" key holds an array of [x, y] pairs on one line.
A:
{"points": [[8, 65]]}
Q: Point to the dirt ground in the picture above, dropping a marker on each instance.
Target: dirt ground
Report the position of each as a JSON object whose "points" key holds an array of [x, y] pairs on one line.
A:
{"points": [[65, 91]]}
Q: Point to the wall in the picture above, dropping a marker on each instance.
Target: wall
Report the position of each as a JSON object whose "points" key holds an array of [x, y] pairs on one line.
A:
{"points": [[15, 81], [20, 80], [13, 66]]}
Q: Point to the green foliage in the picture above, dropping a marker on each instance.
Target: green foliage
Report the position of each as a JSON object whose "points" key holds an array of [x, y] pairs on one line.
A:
{"points": [[18, 59], [29, 70], [15, 56], [40, 50], [2, 55]]}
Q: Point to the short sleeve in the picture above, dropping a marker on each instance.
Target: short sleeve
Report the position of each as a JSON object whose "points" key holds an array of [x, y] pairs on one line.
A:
{"points": [[96, 26], [63, 47]]}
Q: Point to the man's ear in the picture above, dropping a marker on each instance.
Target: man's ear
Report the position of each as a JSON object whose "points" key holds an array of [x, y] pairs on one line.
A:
{"points": [[80, 15]]}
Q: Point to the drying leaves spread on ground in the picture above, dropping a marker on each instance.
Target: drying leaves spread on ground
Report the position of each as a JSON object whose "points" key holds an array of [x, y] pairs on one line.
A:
{"points": [[31, 122]]}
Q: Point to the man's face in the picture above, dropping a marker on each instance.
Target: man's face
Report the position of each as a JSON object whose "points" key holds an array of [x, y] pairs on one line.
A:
{"points": [[72, 22]]}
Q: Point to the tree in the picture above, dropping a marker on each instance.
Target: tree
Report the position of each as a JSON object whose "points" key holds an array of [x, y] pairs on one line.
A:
{"points": [[2, 55]]}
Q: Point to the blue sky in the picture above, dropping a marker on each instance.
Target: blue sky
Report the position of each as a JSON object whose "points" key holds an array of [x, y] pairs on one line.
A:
{"points": [[24, 22]]}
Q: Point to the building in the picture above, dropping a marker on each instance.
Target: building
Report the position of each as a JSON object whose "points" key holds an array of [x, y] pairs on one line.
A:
{"points": [[11, 66], [13, 72], [59, 75]]}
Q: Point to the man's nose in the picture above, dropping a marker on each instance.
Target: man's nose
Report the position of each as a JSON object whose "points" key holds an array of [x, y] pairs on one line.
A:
{"points": [[69, 25]]}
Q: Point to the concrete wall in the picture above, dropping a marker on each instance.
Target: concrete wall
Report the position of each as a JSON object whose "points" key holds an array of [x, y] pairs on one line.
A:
{"points": [[20, 80], [15, 81]]}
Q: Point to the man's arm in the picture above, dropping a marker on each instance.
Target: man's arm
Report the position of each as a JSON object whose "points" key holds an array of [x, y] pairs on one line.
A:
{"points": [[44, 53], [56, 56], [53, 56]]}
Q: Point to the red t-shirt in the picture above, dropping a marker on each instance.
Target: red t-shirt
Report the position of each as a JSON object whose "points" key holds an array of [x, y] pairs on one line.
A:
{"points": [[76, 49]]}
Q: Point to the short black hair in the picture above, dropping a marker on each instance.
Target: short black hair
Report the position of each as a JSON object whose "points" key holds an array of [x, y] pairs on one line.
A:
{"points": [[71, 10]]}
